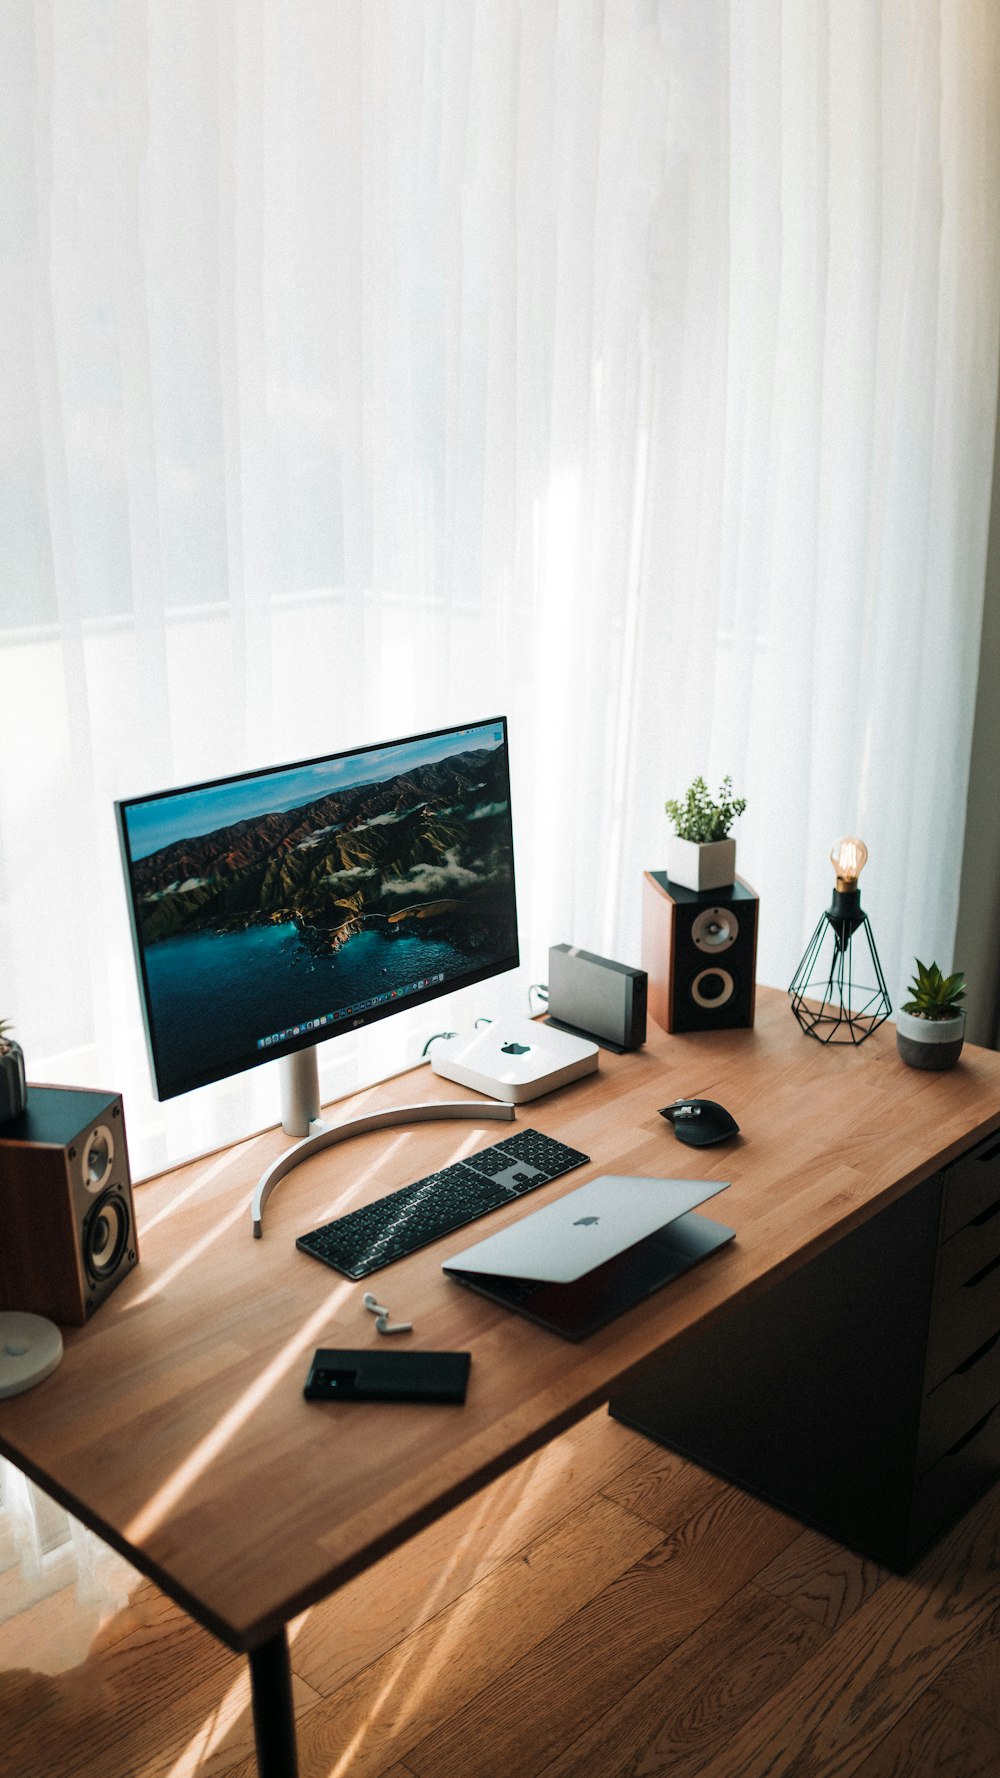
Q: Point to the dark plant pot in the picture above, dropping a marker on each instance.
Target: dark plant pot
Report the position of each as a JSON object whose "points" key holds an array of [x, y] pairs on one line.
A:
{"points": [[929, 1043], [13, 1090]]}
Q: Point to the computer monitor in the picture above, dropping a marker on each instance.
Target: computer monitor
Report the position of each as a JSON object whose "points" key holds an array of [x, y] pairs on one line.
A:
{"points": [[274, 909]]}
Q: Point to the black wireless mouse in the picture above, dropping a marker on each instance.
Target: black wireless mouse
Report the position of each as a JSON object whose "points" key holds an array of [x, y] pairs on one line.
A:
{"points": [[700, 1122]]}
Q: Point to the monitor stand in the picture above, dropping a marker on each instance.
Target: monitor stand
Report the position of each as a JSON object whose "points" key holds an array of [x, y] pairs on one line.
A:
{"points": [[299, 1076]]}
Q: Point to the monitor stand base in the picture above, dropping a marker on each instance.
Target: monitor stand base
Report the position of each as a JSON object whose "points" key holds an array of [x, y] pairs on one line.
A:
{"points": [[322, 1136]]}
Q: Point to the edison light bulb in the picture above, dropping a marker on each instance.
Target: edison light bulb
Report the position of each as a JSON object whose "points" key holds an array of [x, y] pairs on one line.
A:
{"points": [[848, 858]]}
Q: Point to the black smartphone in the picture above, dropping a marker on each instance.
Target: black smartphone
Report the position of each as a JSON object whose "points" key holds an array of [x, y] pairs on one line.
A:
{"points": [[347, 1375]]}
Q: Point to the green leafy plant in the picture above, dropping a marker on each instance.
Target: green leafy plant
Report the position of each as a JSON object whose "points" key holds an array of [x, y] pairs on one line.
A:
{"points": [[935, 996], [5, 1026], [700, 817]]}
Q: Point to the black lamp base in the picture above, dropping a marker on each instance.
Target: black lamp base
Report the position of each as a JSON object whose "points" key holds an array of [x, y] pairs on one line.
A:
{"points": [[838, 992]]}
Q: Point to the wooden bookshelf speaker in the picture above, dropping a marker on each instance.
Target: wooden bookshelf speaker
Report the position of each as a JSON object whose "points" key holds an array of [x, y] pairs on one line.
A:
{"points": [[699, 949], [67, 1222]]}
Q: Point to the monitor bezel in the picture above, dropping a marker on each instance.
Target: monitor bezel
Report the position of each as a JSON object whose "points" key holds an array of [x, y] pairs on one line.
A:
{"points": [[308, 1040]]}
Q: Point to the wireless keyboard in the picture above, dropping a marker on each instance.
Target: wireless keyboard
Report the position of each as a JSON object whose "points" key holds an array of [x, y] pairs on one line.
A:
{"points": [[379, 1233]]}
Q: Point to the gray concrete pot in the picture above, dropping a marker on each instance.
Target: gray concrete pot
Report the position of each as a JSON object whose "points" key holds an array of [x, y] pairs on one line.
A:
{"points": [[929, 1043]]}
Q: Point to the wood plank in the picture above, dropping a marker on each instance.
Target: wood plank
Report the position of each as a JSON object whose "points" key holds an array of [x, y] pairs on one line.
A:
{"points": [[689, 1705], [838, 1706], [154, 1695], [172, 1473], [935, 1736], [663, 1489], [822, 1579], [563, 1685], [51, 1632], [356, 1625], [667, 1713], [372, 1720], [972, 1679]]}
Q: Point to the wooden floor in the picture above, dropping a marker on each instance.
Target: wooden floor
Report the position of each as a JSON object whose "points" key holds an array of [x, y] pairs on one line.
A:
{"points": [[604, 1609]]}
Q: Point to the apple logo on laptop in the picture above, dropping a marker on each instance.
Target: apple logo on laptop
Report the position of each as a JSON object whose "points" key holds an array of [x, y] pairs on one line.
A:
{"points": [[515, 1049], [585, 1222]]}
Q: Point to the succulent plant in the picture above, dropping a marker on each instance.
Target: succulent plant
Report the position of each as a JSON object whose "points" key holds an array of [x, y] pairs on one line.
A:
{"points": [[699, 817], [935, 996]]}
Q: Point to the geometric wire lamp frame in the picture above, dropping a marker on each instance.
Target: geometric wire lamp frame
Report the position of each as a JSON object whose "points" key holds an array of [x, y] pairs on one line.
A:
{"points": [[838, 992]]}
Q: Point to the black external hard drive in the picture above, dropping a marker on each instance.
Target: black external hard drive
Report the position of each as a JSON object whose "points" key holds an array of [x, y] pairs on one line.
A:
{"points": [[387, 1376]]}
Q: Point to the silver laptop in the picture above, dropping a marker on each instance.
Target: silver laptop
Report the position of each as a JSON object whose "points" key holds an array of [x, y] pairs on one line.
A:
{"points": [[576, 1264]]}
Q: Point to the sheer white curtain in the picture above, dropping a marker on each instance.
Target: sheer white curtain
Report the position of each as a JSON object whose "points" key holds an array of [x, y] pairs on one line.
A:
{"points": [[630, 368], [44, 1550]]}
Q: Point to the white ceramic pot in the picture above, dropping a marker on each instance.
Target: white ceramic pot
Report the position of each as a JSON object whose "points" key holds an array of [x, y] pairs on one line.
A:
{"points": [[711, 865], [929, 1043]]}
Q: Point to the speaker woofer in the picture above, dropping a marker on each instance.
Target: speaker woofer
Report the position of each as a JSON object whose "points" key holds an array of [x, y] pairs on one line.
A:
{"points": [[712, 988], [105, 1235]]}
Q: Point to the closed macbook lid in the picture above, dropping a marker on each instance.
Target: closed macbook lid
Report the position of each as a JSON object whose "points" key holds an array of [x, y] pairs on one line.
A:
{"points": [[565, 1240]]}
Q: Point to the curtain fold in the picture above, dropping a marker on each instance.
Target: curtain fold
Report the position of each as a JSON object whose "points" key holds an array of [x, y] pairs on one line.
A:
{"points": [[629, 368], [43, 1550]]}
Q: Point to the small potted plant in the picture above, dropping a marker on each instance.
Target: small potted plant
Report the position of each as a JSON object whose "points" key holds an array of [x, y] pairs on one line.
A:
{"points": [[13, 1091], [700, 853], [930, 1026]]}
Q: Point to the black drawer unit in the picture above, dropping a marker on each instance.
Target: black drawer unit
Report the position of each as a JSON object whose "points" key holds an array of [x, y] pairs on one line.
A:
{"points": [[965, 1313], [879, 1358], [958, 1443]]}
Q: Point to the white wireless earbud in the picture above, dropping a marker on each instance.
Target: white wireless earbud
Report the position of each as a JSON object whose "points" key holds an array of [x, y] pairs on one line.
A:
{"points": [[381, 1314], [382, 1324]]}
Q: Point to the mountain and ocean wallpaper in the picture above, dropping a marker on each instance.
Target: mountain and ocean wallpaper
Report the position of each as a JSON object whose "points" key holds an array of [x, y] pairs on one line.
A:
{"points": [[282, 905]]}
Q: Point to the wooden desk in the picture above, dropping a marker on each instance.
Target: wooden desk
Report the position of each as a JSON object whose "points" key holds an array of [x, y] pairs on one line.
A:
{"points": [[176, 1428]]}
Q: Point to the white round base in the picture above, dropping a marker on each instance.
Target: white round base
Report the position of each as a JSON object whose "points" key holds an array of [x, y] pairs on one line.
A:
{"points": [[30, 1349]]}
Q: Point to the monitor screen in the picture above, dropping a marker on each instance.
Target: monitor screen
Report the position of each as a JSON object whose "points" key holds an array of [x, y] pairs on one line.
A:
{"points": [[272, 910]]}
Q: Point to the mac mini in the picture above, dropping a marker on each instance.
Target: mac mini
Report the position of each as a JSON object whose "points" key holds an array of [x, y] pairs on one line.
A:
{"points": [[514, 1059]]}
